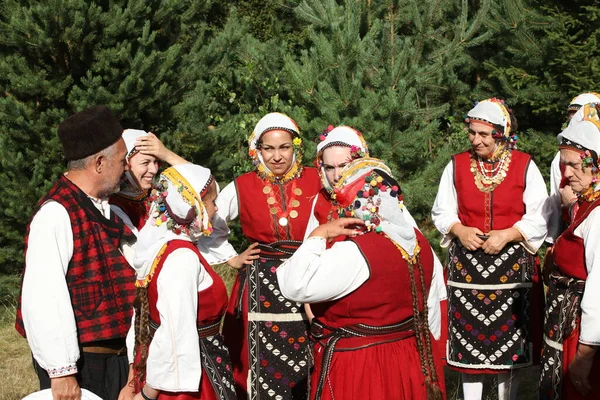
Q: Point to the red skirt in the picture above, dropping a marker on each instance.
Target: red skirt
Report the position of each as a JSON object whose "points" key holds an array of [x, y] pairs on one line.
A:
{"points": [[383, 371]]}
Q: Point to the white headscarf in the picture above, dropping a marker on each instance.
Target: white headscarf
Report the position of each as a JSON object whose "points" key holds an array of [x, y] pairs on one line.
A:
{"points": [[176, 212], [366, 193], [340, 136], [583, 131], [271, 122], [583, 99], [129, 187], [494, 112]]}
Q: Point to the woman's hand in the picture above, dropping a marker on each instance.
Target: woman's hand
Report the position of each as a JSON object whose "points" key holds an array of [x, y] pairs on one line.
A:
{"points": [[567, 196], [579, 369], [339, 227], [246, 258], [151, 145], [468, 236], [497, 240]]}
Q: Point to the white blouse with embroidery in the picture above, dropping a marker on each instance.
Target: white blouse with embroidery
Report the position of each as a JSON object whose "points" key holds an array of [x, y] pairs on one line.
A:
{"points": [[45, 301], [532, 225], [314, 274]]}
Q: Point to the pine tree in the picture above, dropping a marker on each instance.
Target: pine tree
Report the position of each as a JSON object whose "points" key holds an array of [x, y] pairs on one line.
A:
{"points": [[389, 69], [62, 56]]}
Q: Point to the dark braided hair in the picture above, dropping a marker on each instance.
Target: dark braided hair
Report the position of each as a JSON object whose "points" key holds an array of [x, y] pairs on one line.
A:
{"points": [[422, 329], [142, 335]]}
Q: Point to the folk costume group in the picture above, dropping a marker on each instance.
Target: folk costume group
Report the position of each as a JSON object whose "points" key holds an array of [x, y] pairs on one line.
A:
{"points": [[339, 295]]}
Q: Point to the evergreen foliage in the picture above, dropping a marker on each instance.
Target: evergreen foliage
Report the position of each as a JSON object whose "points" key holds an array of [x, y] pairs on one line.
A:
{"points": [[201, 73]]}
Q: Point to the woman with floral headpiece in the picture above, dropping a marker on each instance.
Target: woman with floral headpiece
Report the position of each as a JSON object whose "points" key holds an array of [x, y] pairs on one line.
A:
{"points": [[180, 300], [336, 148], [570, 361], [371, 294], [559, 185], [489, 211], [265, 332], [144, 150]]}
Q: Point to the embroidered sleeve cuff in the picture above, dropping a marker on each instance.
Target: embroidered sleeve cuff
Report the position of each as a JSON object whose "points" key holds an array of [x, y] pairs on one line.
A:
{"points": [[62, 371], [525, 242], [590, 342]]}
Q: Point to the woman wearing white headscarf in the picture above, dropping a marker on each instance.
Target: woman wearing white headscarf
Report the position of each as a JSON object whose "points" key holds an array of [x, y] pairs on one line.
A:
{"points": [[265, 332], [559, 220], [180, 300], [489, 209], [371, 294], [337, 147], [144, 150], [570, 361]]}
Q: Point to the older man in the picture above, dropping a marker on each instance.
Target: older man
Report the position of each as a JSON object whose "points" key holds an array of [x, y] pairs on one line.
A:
{"points": [[77, 293], [570, 362]]}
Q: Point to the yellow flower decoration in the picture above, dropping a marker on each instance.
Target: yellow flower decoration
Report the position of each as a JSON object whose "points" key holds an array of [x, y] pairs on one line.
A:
{"points": [[297, 141]]}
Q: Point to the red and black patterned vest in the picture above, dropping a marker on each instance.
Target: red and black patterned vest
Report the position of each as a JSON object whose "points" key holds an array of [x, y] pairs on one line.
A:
{"points": [[568, 252], [385, 298], [498, 209], [212, 301], [101, 283], [258, 224], [135, 209]]}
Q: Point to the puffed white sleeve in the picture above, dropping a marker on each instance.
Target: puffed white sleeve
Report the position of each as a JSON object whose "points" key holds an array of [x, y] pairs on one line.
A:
{"points": [[437, 293], [532, 225], [590, 303], [553, 206], [45, 301], [216, 248], [445, 208], [174, 354], [314, 274], [313, 223]]}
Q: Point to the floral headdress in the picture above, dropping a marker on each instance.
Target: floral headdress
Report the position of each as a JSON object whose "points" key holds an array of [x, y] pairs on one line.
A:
{"points": [[272, 122], [494, 112], [367, 190], [176, 212], [583, 135], [345, 136]]}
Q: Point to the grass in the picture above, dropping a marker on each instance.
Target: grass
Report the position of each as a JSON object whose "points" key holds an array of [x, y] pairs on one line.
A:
{"points": [[17, 378]]}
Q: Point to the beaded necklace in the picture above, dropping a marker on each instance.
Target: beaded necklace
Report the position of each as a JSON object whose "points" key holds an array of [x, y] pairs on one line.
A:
{"points": [[486, 179]]}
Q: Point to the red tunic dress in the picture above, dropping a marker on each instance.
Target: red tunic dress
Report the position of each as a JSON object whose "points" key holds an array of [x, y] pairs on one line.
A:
{"points": [[272, 347], [487, 321], [568, 255], [384, 366], [212, 303]]}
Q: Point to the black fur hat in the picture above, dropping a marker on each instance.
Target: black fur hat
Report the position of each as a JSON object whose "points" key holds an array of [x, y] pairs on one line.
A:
{"points": [[88, 132]]}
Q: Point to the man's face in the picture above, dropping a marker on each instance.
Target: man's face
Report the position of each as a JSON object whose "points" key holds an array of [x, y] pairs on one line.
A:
{"points": [[113, 168]]}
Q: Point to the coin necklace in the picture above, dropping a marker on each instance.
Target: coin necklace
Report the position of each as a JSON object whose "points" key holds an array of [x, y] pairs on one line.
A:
{"points": [[275, 207], [487, 180]]}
